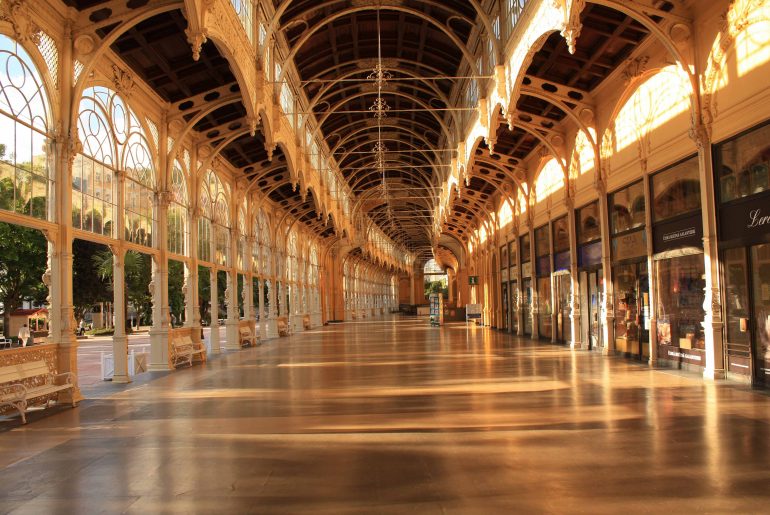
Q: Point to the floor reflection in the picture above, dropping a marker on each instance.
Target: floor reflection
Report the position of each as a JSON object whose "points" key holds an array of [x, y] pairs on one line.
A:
{"points": [[391, 416]]}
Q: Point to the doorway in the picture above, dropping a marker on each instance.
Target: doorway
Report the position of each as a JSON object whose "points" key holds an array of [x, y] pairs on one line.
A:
{"points": [[513, 322], [632, 309], [505, 307], [526, 305], [563, 284], [747, 308], [592, 296]]}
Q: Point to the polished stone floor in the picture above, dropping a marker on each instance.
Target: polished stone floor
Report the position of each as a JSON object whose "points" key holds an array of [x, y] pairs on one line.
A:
{"points": [[391, 416]]}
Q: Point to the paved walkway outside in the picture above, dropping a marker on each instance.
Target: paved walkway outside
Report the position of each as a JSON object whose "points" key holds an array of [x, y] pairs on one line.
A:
{"points": [[90, 351], [393, 416]]}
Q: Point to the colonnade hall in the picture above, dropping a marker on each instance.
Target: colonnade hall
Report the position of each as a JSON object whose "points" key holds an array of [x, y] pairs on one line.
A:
{"points": [[384, 256]]}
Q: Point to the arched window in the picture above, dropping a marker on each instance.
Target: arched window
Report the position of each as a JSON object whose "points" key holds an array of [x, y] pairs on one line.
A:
{"points": [[178, 211], [214, 222], [26, 145], [550, 180], [313, 275], [204, 225], [242, 231], [662, 97], [113, 140], [264, 244], [292, 267]]}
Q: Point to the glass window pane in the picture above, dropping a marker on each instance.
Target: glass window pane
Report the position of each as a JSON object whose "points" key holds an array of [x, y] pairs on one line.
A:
{"points": [[588, 223], [627, 208], [742, 165], [680, 301], [560, 234], [542, 241], [676, 191]]}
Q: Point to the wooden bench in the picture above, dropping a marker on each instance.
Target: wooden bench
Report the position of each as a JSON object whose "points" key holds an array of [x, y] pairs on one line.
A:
{"points": [[17, 395], [184, 350], [283, 326], [198, 349], [245, 337]]}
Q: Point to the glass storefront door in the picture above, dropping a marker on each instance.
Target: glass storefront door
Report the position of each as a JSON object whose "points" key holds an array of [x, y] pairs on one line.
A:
{"points": [[760, 279], [592, 292], [505, 306], [544, 308], [513, 322], [747, 308], [563, 321], [526, 305], [632, 309]]}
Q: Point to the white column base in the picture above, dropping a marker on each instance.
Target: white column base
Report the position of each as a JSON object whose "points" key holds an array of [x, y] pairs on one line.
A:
{"points": [[315, 320], [296, 323], [159, 355], [231, 335], [120, 356], [271, 328]]}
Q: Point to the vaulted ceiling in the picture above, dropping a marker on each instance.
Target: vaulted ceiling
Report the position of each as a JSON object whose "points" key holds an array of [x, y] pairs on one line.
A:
{"points": [[392, 162], [337, 47]]}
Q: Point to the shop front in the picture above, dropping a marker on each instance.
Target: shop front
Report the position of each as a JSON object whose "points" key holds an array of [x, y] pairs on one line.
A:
{"points": [[741, 165], [590, 277], [526, 285], [543, 274], [504, 297], [562, 280], [629, 271], [677, 234], [513, 284]]}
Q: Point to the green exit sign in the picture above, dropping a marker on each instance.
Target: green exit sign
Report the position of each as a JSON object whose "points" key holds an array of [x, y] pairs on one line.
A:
{"points": [[473, 280]]}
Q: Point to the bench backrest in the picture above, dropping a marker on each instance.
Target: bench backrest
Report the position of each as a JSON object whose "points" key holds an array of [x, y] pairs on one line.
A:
{"points": [[186, 340], [180, 342], [245, 331], [21, 371]]}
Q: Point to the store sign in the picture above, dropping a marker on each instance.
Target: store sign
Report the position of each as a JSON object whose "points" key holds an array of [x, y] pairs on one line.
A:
{"points": [[629, 246], [681, 355], [685, 232], [526, 269], [747, 221], [590, 255], [561, 262], [504, 275], [513, 273]]}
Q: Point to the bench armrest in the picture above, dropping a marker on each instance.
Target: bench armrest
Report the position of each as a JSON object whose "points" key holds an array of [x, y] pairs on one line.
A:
{"points": [[64, 378], [17, 390]]}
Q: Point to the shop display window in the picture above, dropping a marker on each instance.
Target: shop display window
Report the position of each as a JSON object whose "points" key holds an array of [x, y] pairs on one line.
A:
{"points": [[560, 234], [542, 241], [742, 165], [679, 309], [632, 316], [545, 309], [627, 208], [676, 191], [588, 229], [525, 248], [512, 254], [504, 256]]}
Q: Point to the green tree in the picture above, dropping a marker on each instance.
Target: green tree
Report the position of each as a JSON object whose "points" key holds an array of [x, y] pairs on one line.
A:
{"points": [[90, 287], [175, 284], [24, 254], [436, 287], [137, 272], [204, 293]]}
